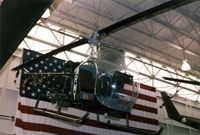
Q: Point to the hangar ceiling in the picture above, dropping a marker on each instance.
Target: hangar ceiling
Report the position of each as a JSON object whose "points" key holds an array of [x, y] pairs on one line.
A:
{"points": [[167, 38]]}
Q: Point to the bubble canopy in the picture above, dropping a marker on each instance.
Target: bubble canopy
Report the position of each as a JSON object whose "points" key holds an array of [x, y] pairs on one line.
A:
{"points": [[109, 86]]}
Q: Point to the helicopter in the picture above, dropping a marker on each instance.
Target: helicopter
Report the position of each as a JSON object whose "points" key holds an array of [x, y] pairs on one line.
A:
{"points": [[87, 85], [173, 113], [105, 87]]}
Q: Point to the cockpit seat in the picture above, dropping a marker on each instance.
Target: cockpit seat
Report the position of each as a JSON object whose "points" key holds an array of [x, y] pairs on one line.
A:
{"points": [[86, 81]]}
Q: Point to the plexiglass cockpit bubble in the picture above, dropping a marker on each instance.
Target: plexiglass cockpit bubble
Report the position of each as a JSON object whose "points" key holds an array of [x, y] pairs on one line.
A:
{"points": [[102, 79]]}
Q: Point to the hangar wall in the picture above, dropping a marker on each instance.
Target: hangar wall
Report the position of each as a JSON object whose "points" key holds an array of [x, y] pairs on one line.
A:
{"points": [[9, 95]]}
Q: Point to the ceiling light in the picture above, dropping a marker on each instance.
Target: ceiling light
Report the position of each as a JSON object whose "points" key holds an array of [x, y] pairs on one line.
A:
{"points": [[46, 14], [185, 66]]}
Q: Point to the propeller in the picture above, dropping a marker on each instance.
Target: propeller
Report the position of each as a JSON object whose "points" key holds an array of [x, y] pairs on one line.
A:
{"points": [[112, 28], [182, 81]]}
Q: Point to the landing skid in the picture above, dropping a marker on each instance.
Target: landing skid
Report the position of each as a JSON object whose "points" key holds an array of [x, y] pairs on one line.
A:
{"points": [[58, 115], [127, 128]]}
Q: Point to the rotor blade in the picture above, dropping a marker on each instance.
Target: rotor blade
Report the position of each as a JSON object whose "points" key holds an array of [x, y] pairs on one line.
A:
{"points": [[143, 15], [49, 54], [182, 81]]}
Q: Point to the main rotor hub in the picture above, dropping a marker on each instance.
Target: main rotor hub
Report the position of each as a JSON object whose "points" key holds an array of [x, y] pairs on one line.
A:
{"points": [[94, 39]]}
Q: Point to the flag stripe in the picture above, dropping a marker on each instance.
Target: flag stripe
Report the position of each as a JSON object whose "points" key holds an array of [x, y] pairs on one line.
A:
{"points": [[145, 87], [147, 93], [129, 88], [73, 127], [140, 95], [47, 128], [29, 110], [137, 108], [145, 108], [21, 131], [147, 98], [144, 114], [84, 127], [146, 103], [132, 123], [148, 88], [139, 105]]}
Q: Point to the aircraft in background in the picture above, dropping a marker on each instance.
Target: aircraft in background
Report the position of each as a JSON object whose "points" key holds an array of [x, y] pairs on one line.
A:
{"points": [[173, 113]]}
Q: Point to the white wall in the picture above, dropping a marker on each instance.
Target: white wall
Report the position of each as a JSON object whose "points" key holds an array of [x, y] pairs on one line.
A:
{"points": [[8, 94]]}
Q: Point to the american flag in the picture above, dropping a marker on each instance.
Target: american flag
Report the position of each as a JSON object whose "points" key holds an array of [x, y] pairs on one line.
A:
{"points": [[143, 116]]}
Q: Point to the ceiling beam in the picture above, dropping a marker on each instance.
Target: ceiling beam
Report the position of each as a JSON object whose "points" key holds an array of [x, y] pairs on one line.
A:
{"points": [[140, 31], [167, 24], [185, 12], [143, 15]]}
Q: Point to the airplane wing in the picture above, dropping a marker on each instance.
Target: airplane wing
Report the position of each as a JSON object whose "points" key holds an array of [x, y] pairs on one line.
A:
{"points": [[17, 17]]}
